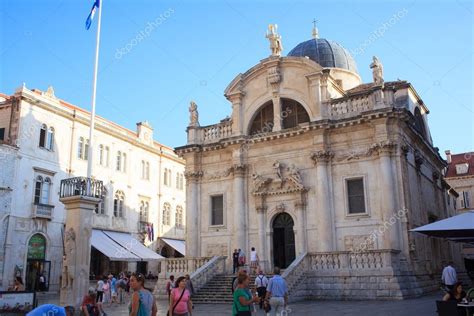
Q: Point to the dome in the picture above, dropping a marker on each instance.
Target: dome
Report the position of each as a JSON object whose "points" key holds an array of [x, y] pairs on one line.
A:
{"points": [[326, 53]]}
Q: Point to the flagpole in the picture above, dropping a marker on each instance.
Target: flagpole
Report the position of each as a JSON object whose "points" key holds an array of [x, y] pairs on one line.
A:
{"points": [[90, 152]]}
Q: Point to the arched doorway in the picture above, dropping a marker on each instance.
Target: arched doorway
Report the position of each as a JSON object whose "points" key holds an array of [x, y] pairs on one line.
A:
{"points": [[37, 268], [283, 240]]}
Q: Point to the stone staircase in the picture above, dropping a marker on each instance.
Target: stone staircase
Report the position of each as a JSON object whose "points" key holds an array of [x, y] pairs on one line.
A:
{"points": [[218, 290]]}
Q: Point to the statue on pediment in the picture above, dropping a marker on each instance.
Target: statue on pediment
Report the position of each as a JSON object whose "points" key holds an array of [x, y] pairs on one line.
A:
{"points": [[295, 176]]}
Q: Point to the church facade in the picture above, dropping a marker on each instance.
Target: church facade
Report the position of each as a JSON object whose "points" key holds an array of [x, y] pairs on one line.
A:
{"points": [[323, 174]]}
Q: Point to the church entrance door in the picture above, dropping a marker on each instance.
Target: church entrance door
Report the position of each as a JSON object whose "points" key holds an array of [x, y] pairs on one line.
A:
{"points": [[283, 240]]}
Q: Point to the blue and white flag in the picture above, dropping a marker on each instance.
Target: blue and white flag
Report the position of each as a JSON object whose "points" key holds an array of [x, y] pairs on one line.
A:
{"points": [[95, 6]]}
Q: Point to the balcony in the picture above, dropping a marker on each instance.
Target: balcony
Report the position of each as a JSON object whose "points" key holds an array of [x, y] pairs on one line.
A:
{"points": [[42, 211], [81, 186]]}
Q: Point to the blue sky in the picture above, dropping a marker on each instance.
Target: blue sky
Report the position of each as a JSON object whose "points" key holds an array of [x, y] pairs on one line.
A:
{"points": [[197, 47]]}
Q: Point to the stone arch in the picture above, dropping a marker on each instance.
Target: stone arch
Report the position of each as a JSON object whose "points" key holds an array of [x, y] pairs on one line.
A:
{"points": [[420, 125]]}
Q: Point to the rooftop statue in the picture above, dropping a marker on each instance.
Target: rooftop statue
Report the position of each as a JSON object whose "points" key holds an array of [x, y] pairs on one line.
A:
{"points": [[275, 40], [193, 114], [377, 70]]}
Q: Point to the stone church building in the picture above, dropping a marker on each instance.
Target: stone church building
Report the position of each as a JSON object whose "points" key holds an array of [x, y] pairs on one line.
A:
{"points": [[323, 174]]}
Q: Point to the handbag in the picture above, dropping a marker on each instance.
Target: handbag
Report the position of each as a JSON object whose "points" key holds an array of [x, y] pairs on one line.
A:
{"points": [[176, 304]]}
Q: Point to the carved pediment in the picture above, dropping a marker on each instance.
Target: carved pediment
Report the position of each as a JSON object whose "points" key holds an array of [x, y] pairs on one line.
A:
{"points": [[286, 179]]}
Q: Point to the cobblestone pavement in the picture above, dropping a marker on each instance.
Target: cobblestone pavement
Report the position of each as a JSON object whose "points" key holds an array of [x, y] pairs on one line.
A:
{"points": [[423, 306]]}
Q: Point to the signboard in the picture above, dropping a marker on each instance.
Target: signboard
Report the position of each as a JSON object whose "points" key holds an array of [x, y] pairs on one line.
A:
{"points": [[36, 247], [16, 302]]}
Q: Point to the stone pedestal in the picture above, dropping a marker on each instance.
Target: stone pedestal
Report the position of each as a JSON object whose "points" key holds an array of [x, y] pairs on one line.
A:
{"points": [[77, 243]]}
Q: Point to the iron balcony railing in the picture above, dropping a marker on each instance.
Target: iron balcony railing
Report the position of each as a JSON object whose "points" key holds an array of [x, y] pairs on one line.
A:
{"points": [[81, 186]]}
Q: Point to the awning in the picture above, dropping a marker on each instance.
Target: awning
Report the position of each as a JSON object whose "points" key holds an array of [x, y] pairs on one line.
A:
{"points": [[128, 242], [176, 244], [110, 248], [458, 228]]}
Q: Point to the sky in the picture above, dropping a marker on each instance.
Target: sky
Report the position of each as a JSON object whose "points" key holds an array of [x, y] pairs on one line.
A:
{"points": [[157, 56]]}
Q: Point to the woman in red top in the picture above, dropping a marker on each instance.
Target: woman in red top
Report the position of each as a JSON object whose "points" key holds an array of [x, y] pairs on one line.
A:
{"points": [[180, 300]]}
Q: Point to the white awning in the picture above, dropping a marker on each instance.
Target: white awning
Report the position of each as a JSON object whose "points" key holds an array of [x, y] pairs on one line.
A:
{"points": [[178, 245], [132, 245], [110, 248]]}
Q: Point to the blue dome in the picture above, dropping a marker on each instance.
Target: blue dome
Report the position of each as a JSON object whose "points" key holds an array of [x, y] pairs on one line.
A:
{"points": [[326, 53]]}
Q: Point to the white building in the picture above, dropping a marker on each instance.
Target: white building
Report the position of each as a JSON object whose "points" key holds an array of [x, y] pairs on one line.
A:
{"points": [[324, 174], [43, 140]]}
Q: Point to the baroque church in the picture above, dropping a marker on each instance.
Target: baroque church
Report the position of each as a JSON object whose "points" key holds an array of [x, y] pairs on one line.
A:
{"points": [[323, 174]]}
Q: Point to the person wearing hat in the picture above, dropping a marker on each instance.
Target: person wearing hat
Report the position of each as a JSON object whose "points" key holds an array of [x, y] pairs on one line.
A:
{"points": [[50, 309]]}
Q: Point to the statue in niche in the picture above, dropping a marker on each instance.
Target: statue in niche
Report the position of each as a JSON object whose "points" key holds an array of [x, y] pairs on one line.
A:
{"points": [[377, 70], [275, 40], [294, 175], [69, 258], [193, 114]]}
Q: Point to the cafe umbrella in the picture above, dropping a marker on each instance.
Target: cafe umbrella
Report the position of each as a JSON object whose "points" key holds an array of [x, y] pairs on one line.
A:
{"points": [[459, 228]]}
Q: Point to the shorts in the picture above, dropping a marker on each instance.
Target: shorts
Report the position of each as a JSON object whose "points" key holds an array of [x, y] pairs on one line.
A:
{"points": [[114, 293], [253, 264], [100, 296]]}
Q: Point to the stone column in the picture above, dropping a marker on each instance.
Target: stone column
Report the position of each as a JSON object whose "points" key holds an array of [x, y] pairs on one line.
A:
{"points": [[77, 240], [262, 249], [240, 222], [192, 213], [301, 232], [323, 203], [387, 188], [277, 126]]}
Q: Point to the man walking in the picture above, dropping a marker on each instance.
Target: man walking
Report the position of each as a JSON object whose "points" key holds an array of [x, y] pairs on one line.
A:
{"points": [[449, 277], [235, 260], [277, 293], [261, 283]]}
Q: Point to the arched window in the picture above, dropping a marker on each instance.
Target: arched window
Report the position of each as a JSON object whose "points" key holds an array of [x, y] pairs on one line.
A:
{"points": [[50, 139], [124, 162], [119, 200], [119, 161], [86, 150], [101, 154], [419, 122], [80, 145], [107, 151], [144, 208], [42, 190], [263, 121], [166, 214], [42, 140], [100, 208], [179, 216], [292, 113]]}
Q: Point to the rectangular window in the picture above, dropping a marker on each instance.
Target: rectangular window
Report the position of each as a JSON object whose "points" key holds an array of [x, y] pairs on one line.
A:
{"points": [[465, 200], [2, 133], [37, 192], [217, 210], [355, 195]]}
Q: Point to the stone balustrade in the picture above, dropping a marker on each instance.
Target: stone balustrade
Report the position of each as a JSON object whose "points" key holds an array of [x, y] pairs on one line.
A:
{"points": [[349, 107], [295, 272], [214, 133], [206, 272], [177, 267], [353, 260]]}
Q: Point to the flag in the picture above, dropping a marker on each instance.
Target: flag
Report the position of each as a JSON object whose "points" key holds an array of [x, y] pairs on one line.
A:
{"points": [[95, 6], [152, 232]]}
